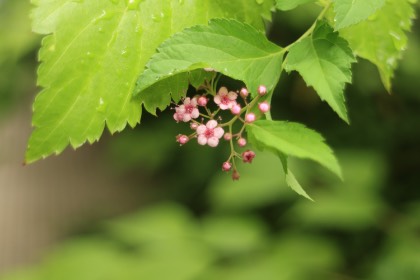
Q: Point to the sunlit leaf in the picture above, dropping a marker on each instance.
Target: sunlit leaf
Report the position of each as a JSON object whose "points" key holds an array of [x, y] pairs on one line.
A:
{"points": [[382, 38], [291, 4], [349, 12], [93, 55]]}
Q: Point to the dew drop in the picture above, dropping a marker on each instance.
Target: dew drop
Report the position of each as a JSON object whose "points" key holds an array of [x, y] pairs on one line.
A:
{"points": [[391, 62], [155, 18], [162, 15], [181, 2], [124, 52], [373, 17], [115, 1], [395, 36], [138, 28], [101, 105], [259, 2], [104, 15], [133, 4], [101, 29], [403, 24]]}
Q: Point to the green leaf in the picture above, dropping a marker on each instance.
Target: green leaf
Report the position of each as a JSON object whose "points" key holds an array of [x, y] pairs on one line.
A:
{"points": [[294, 185], [381, 39], [286, 5], [324, 61], [349, 12], [93, 55], [293, 139], [233, 48]]}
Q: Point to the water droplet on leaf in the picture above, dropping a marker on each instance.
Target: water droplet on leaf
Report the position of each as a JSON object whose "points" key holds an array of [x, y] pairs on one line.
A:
{"points": [[133, 4], [101, 105]]}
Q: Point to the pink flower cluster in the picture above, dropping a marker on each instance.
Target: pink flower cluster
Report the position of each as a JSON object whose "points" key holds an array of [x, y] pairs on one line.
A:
{"points": [[210, 132]]}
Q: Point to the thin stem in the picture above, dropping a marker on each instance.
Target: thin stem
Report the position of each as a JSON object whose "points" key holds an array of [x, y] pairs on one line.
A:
{"points": [[310, 29]]}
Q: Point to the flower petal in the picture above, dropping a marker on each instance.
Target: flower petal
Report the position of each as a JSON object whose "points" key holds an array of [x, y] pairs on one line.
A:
{"points": [[217, 99], [202, 140], [201, 129], [211, 124], [232, 95], [222, 91], [213, 142], [218, 132], [195, 113]]}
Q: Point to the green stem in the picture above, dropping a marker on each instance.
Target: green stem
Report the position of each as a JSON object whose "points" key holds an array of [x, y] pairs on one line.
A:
{"points": [[310, 29]]}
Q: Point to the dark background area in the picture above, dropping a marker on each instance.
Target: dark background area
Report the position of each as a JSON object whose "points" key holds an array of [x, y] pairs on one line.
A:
{"points": [[138, 206]]}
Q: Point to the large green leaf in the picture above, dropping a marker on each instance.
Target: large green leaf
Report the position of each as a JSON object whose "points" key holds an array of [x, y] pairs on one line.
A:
{"points": [[286, 5], [293, 139], [95, 52], [381, 39], [349, 12], [324, 61], [235, 49]]}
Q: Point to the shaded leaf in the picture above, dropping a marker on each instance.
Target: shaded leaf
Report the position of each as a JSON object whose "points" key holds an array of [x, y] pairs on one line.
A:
{"points": [[293, 139], [294, 184], [235, 49], [324, 61], [94, 53]]}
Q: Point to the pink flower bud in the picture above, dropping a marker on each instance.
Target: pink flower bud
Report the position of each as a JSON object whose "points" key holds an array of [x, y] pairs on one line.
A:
{"points": [[182, 139], [193, 125], [235, 175], [202, 101], [262, 90], [248, 156], [241, 142], [226, 166], [236, 109], [227, 136], [244, 93], [264, 107], [250, 117]]}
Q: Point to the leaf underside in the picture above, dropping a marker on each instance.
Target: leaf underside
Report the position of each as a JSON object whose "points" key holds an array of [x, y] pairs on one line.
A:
{"points": [[324, 61], [294, 185], [292, 139], [93, 55], [230, 47]]}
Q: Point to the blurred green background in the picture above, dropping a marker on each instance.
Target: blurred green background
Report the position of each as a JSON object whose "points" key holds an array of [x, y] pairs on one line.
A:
{"points": [[138, 206]]}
